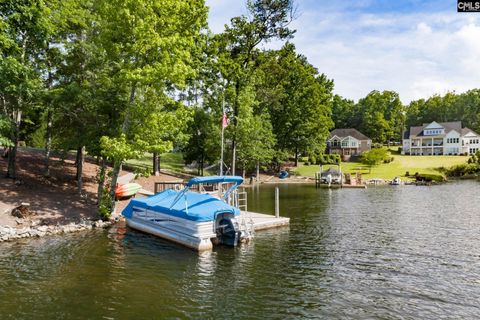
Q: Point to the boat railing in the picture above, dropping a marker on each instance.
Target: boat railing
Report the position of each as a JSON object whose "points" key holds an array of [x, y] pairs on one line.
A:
{"points": [[164, 185]]}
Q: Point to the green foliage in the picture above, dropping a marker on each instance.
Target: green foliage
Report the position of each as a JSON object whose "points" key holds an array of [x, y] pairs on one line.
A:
{"points": [[298, 99], [4, 131], [117, 148], [343, 113], [474, 158], [452, 106], [256, 140], [324, 159], [375, 157], [432, 177], [388, 159], [203, 146], [460, 170], [37, 138], [105, 206], [380, 115]]}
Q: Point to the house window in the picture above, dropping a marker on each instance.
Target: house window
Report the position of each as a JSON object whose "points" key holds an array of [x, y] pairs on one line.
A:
{"points": [[344, 143]]}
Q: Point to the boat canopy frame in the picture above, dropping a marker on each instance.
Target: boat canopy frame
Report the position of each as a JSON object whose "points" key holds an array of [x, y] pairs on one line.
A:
{"points": [[236, 180]]}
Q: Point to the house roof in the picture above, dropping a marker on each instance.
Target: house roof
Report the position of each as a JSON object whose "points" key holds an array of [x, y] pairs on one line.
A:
{"points": [[343, 133], [467, 130], [448, 126]]}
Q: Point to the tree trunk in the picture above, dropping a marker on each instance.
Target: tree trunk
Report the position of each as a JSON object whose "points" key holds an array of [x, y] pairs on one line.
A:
{"points": [[48, 143], [243, 171], [296, 156], [17, 118], [101, 180], [12, 152], [258, 171], [12, 155], [113, 186], [156, 164], [80, 160]]}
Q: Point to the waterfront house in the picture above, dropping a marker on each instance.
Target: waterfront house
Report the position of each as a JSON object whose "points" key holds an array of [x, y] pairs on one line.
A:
{"points": [[347, 142], [440, 138]]}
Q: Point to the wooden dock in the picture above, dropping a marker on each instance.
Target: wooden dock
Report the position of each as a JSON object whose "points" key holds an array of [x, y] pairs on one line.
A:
{"points": [[261, 221]]}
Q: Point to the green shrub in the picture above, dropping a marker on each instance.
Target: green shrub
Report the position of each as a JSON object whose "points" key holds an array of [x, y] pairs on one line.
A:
{"points": [[105, 207], [433, 177], [328, 159], [463, 169]]}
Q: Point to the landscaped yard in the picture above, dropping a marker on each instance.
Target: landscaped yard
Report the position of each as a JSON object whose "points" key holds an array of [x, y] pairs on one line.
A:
{"points": [[400, 165], [169, 161]]}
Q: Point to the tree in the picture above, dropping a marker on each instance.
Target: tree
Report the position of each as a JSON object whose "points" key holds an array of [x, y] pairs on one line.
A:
{"points": [[298, 99], [256, 142], [146, 45], [343, 113], [269, 19], [24, 28], [374, 157], [381, 116], [203, 145]]}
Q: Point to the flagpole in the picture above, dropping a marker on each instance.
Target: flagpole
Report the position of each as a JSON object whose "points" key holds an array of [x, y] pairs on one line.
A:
{"points": [[223, 129]]}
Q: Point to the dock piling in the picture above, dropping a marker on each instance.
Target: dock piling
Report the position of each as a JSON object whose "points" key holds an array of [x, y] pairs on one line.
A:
{"points": [[277, 203]]}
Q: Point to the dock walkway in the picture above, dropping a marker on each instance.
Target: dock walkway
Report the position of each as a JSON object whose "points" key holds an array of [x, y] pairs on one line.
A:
{"points": [[263, 221]]}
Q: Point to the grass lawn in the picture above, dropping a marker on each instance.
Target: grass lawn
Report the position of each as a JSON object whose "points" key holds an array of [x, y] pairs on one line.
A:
{"points": [[401, 164], [169, 161]]}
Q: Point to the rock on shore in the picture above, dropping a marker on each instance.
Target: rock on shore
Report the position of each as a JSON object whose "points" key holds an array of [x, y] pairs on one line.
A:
{"points": [[11, 233]]}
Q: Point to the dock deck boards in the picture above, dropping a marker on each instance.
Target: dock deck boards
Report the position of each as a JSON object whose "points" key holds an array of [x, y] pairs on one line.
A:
{"points": [[263, 221]]}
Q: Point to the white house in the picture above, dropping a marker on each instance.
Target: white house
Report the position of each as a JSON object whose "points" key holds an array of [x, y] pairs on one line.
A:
{"points": [[444, 138]]}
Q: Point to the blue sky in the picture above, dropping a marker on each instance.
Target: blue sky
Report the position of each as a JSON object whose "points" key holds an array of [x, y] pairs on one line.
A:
{"points": [[416, 48]]}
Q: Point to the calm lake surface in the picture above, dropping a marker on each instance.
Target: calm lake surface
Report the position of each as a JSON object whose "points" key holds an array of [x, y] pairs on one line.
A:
{"points": [[401, 252]]}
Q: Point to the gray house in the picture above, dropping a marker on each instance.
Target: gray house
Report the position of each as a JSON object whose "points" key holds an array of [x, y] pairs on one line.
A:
{"points": [[348, 142]]}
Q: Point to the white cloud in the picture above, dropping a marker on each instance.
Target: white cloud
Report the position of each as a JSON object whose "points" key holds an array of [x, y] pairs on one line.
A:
{"points": [[415, 54]]}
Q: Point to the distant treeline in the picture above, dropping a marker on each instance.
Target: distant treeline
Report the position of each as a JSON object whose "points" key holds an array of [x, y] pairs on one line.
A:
{"points": [[382, 116]]}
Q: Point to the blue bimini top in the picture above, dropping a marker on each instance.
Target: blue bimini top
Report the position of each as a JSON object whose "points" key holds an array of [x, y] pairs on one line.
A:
{"points": [[215, 179], [191, 206]]}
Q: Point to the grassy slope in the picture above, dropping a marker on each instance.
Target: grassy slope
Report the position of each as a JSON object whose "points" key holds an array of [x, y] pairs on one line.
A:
{"points": [[401, 164], [170, 161]]}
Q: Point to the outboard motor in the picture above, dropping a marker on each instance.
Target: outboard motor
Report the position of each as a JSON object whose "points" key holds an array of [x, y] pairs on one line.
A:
{"points": [[227, 229]]}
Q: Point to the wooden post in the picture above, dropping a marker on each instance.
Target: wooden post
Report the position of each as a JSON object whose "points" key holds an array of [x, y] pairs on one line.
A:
{"points": [[277, 203]]}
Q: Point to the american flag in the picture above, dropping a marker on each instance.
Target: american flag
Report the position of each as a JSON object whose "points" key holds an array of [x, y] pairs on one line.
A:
{"points": [[224, 120]]}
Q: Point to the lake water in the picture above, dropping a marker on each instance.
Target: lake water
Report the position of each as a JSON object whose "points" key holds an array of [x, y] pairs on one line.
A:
{"points": [[401, 252]]}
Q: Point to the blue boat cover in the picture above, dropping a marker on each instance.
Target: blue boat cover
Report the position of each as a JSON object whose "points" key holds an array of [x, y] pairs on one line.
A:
{"points": [[196, 207], [215, 179]]}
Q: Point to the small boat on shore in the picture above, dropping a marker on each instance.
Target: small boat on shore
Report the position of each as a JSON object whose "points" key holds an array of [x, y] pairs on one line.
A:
{"points": [[396, 181], [190, 218]]}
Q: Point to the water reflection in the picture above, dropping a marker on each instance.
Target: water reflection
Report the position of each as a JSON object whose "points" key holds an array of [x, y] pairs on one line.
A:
{"points": [[405, 252]]}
